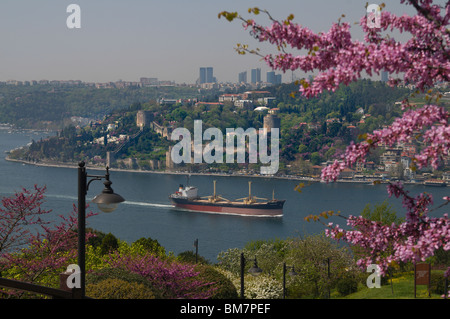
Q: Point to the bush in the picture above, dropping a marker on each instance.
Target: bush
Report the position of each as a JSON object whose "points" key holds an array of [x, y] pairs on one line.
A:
{"points": [[96, 239], [189, 257], [109, 243], [437, 282], [225, 288], [151, 245], [97, 277], [346, 286], [118, 289]]}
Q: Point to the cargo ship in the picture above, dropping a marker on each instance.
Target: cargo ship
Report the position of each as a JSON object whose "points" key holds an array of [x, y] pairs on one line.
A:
{"points": [[186, 198]]}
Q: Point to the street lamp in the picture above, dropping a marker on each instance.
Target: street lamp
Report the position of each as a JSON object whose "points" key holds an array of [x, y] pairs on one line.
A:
{"points": [[254, 271], [292, 273], [107, 202], [196, 250]]}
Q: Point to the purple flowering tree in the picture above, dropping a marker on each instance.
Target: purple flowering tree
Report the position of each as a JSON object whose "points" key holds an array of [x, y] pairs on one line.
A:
{"points": [[338, 59]]}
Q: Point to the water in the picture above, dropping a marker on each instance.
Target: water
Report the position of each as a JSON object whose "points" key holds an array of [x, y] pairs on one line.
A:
{"points": [[147, 211]]}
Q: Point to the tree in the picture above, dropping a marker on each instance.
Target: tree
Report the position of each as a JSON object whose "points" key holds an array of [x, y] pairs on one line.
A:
{"points": [[45, 254], [424, 61], [172, 280], [17, 215], [32, 249], [383, 213]]}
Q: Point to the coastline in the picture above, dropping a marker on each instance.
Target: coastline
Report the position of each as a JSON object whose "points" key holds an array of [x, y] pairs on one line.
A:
{"points": [[97, 167], [289, 177]]}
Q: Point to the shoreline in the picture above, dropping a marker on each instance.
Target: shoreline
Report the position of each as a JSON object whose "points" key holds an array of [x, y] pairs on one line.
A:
{"points": [[94, 167], [290, 177]]}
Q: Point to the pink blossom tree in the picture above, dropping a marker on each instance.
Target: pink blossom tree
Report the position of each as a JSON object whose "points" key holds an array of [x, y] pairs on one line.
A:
{"points": [[338, 59], [19, 216], [173, 280], [33, 248]]}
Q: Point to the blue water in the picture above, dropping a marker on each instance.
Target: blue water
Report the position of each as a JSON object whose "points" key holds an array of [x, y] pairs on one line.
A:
{"points": [[147, 211]]}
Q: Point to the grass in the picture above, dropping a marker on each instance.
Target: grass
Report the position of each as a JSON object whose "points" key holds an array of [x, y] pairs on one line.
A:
{"points": [[402, 288]]}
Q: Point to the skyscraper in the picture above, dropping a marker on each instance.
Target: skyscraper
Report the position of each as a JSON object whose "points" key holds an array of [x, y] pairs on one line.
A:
{"points": [[206, 75], [256, 75], [273, 78], [242, 77]]}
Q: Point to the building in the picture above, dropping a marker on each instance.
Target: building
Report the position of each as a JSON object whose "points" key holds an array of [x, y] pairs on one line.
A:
{"points": [[148, 82], [206, 75], [271, 121], [256, 76], [144, 118], [253, 95], [391, 156], [243, 103], [242, 78], [273, 78], [230, 97]]}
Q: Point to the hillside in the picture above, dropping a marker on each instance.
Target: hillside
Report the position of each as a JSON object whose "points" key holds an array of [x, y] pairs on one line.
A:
{"points": [[313, 131]]}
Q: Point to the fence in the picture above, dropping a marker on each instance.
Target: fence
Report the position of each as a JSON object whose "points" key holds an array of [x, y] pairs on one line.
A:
{"points": [[62, 293]]}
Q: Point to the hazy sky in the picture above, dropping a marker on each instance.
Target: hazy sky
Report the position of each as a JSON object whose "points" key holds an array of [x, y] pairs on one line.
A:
{"points": [[166, 39]]}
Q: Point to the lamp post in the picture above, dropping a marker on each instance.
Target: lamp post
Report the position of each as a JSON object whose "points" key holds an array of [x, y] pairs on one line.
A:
{"points": [[292, 273], [196, 250], [254, 271], [107, 202], [326, 263]]}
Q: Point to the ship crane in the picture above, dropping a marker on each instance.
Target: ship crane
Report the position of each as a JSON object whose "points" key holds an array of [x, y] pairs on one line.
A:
{"points": [[214, 198], [250, 199]]}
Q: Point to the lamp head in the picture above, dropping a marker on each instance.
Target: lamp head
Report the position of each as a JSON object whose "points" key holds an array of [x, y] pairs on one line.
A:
{"points": [[107, 200], [255, 270], [293, 273]]}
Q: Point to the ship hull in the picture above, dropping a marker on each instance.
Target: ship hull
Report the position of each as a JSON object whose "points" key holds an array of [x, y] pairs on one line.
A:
{"points": [[269, 209]]}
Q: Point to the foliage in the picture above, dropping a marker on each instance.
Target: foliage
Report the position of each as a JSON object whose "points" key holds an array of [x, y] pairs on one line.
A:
{"points": [[437, 283], [43, 255], [151, 246], [170, 279], [17, 214], [309, 256], [424, 61], [47, 254], [118, 289], [109, 243], [346, 286], [50, 106], [189, 257], [94, 278], [262, 287], [224, 287], [383, 213], [387, 245], [329, 52]]}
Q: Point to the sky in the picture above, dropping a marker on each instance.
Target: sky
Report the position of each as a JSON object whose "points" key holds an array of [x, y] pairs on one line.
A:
{"points": [[165, 39]]}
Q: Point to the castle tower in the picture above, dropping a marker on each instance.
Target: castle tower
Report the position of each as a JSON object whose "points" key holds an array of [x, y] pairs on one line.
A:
{"points": [[143, 118], [169, 162], [271, 121]]}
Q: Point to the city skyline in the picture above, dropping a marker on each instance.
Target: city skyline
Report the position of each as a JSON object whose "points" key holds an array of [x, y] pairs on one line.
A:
{"points": [[169, 40]]}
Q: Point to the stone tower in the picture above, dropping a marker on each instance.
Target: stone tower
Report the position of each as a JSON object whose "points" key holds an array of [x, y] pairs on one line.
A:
{"points": [[144, 118], [271, 121]]}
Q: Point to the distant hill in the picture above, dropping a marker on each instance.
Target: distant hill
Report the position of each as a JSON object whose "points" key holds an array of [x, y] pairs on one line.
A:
{"points": [[47, 106]]}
